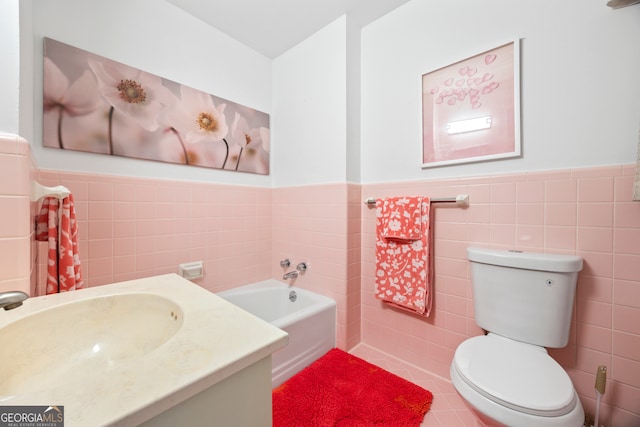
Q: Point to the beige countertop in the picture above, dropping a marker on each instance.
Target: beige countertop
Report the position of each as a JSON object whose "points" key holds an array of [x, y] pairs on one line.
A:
{"points": [[211, 340]]}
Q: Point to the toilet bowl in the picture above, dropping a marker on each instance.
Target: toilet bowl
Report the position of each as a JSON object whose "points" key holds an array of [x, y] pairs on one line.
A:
{"points": [[510, 383]]}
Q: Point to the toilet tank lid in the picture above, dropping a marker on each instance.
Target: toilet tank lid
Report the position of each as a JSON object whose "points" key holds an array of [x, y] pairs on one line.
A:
{"points": [[526, 260]]}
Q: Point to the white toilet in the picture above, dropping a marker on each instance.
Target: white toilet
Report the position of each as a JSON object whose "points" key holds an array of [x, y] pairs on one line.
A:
{"points": [[525, 303]]}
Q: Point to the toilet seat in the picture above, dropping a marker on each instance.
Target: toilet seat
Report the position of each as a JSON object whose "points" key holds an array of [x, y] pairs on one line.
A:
{"points": [[516, 375]]}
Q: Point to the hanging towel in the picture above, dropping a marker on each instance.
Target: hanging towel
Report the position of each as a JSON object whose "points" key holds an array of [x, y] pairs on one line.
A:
{"points": [[402, 218], [58, 226], [403, 266]]}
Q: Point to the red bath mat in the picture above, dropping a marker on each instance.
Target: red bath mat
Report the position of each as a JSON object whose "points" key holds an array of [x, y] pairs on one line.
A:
{"points": [[340, 389]]}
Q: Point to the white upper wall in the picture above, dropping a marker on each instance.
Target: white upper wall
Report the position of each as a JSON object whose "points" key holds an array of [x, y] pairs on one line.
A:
{"points": [[580, 98], [309, 110], [159, 38], [10, 69], [580, 92]]}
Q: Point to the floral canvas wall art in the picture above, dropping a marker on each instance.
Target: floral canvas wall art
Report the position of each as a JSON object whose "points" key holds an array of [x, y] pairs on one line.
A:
{"points": [[471, 109], [97, 105]]}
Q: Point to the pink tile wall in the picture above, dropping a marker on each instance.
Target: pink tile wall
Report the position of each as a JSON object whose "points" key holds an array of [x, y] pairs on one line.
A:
{"points": [[354, 266], [586, 212], [135, 227], [320, 225], [16, 229]]}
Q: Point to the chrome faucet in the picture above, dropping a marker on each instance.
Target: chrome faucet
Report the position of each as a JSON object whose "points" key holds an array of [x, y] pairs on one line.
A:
{"points": [[290, 275], [12, 299]]}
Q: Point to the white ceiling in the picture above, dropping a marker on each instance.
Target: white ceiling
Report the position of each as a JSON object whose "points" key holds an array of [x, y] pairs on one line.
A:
{"points": [[273, 26]]}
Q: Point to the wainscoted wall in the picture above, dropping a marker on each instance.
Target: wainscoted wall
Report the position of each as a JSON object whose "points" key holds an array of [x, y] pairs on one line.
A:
{"points": [[320, 224], [138, 227], [583, 211], [16, 230]]}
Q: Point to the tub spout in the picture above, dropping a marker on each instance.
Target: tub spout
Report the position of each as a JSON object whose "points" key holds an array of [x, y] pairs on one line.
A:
{"points": [[290, 275], [12, 299]]}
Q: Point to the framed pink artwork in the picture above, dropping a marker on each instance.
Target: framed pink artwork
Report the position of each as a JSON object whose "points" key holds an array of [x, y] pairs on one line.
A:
{"points": [[471, 109], [97, 105]]}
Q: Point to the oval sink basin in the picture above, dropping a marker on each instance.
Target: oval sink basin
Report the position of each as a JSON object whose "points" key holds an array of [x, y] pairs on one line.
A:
{"points": [[52, 346]]}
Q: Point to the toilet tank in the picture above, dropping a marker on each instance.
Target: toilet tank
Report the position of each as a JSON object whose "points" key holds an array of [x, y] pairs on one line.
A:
{"points": [[525, 296]]}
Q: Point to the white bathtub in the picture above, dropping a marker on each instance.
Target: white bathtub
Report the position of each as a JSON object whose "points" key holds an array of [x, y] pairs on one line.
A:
{"points": [[310, 321]]}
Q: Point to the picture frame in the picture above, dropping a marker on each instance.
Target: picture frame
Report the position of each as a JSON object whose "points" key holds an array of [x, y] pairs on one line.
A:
{"points": [[97, 105], [471, 108]]}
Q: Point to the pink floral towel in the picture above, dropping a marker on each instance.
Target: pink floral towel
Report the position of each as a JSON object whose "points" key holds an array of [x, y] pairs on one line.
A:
{"points": [[63, 261], [403, 273], [402, 219]]}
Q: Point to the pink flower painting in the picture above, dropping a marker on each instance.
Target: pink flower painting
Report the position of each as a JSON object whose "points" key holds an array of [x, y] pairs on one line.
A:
{"points": [[97, 105], [470, 109]]}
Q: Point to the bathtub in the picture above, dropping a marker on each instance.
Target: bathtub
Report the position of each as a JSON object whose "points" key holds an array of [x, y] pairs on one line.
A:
{"points": [[308, 318]]}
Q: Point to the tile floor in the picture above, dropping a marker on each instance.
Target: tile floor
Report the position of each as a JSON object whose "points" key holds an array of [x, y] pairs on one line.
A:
{"points": [[447, 410]]}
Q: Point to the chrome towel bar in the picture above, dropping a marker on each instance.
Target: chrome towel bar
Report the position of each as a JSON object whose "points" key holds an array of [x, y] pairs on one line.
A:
{"points": [[461, 200]]}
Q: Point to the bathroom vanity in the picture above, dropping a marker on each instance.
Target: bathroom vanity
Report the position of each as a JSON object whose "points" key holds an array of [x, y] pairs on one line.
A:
{"points": [[158, 351]]}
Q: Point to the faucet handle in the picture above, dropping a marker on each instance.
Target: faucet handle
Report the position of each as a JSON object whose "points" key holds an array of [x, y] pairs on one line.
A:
{"points": [[302, 266], [285, 263]]}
